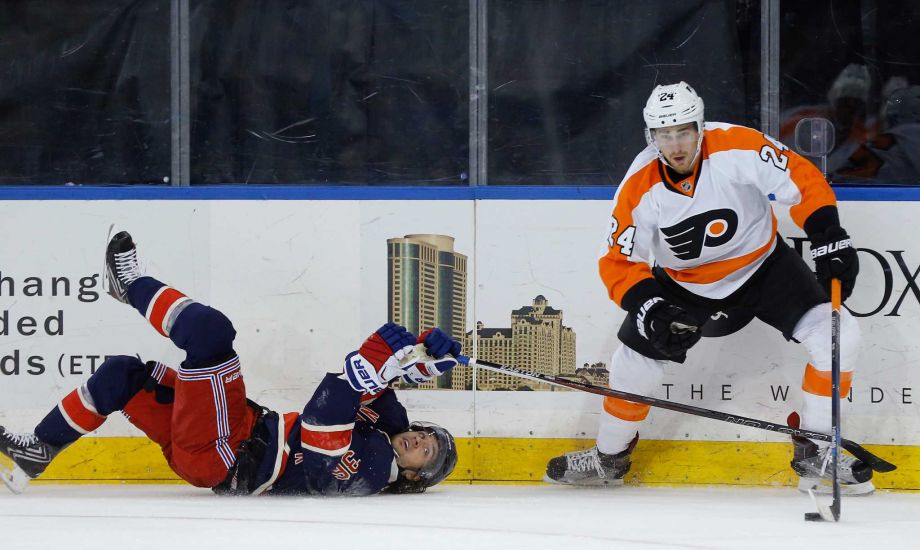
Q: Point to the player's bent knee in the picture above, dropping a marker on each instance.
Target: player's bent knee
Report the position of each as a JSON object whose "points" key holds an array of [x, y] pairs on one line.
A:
{"points": [[814, 332], [633, 372], [205, 333], [850, 337], [115, 382]]}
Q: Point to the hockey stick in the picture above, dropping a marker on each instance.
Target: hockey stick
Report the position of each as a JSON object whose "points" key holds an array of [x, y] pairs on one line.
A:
{"points": [[832, 513], [12, 476], [876, 463]]}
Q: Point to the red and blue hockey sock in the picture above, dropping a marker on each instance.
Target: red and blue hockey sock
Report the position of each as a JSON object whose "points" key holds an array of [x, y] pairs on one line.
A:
{"points": [[158, 303], [202, 331], [85, 409], [73, 417]]}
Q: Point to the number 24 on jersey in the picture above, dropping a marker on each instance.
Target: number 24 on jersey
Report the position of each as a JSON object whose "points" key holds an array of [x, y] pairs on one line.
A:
{"points": [[625, 240]]}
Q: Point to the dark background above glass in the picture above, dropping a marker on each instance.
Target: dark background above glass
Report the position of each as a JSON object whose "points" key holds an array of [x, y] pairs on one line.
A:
{"points": [[376, 92], [568, 80], [346, 92], [856, 63], [84, 92]]}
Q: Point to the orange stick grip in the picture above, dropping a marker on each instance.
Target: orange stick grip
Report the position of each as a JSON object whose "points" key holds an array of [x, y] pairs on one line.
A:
{"points": [[835, 294]]}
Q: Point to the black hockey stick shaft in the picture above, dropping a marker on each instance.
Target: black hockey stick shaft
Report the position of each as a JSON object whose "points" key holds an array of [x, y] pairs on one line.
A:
{"points": [[876, 463], [835, 392]]}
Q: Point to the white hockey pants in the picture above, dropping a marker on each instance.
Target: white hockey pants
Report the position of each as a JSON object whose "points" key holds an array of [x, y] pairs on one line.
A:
{"points": [[635, 373]]}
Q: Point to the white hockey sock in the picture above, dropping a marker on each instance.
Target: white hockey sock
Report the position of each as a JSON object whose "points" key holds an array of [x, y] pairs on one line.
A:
{"points": [[614, 435]]}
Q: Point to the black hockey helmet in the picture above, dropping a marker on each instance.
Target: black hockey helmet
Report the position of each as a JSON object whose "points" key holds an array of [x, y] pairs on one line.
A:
{"points": [[437, 469], [443, 464]]}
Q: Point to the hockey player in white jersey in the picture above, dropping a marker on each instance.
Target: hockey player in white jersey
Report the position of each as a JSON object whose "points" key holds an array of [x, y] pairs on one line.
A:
{"points": [[695, 201]]}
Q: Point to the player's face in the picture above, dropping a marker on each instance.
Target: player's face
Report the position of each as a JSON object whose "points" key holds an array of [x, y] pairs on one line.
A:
{"points": [[414, 450], [678, 145]]}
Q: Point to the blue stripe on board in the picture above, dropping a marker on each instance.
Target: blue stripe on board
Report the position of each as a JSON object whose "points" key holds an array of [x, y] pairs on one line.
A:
{"points": [[403, 193]]}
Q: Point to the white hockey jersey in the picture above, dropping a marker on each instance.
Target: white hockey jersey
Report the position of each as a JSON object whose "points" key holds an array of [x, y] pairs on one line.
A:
{"points": [[711, 230]]}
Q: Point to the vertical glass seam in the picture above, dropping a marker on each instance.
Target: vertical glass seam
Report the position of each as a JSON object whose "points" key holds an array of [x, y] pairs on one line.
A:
{"points": [[769, 67], [479, 104], [179, 93]]}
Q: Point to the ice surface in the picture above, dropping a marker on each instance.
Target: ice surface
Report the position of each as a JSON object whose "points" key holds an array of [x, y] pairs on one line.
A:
{"points": [[169, 517]]}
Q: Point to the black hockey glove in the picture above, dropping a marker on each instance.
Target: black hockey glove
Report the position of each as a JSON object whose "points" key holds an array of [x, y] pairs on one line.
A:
{"points": [[670, 329], [835, 258]]}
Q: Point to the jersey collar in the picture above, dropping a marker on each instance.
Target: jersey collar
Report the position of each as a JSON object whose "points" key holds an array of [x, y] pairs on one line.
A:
{"points": [[679, 183]]}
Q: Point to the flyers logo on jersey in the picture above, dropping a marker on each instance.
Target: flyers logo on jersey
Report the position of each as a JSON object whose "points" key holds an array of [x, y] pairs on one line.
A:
{"points": [[712, 228]]}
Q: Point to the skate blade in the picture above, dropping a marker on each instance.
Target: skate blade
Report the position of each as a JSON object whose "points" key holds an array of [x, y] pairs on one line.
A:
{"points": [[14, 478], [106, 285], [594, 482], [823, 486]]}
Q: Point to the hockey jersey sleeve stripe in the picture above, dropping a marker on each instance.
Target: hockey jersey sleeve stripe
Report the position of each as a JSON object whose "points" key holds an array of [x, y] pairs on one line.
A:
{"points": [[716, 271], [334, 450], [81, 416], [327, 440], [616, 269], [330, 428], [818, 382], [813, 189], [626, 410]]}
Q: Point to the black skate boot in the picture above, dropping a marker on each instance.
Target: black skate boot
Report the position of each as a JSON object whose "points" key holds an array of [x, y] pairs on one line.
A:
{"points": [[813, 465], [590, 467], [26, 458], [121, 268]]}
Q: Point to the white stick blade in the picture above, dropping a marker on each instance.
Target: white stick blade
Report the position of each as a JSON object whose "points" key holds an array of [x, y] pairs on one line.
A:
{"points": [[824, 511], [14, 478]]}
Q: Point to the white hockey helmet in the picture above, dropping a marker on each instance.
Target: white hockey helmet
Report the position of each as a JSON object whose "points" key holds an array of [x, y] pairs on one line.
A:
{"points": [[673, 105], [853, 81]]}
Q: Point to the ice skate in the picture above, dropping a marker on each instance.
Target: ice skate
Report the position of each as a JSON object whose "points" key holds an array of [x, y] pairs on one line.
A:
{"points": [[812, 463], [589, 468], [23, 457], [121, 267]]}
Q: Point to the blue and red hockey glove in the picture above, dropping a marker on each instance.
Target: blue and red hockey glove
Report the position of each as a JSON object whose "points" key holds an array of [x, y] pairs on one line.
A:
{"points": [[440, 356], [380, 358]]}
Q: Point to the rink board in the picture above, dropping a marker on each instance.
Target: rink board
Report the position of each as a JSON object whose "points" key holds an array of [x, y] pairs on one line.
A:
{"points": [[135, 459], [304, 279]]}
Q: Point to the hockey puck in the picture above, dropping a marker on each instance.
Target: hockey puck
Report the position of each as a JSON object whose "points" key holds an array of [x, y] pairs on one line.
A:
{"points": [[813, 516]]}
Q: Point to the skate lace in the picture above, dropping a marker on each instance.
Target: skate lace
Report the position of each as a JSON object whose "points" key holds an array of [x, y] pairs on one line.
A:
{"points": [[21, 440], [126, 266], [844, 462], [583, 461]]}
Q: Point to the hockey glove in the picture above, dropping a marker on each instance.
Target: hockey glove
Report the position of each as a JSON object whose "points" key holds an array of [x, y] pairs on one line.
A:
{"points": [[438, 343], [835, 258], [441, 352], [379, 359], [669, 328]]}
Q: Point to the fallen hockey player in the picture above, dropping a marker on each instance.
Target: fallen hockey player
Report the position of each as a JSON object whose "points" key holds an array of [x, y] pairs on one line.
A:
{"points": [[352, 438]]}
